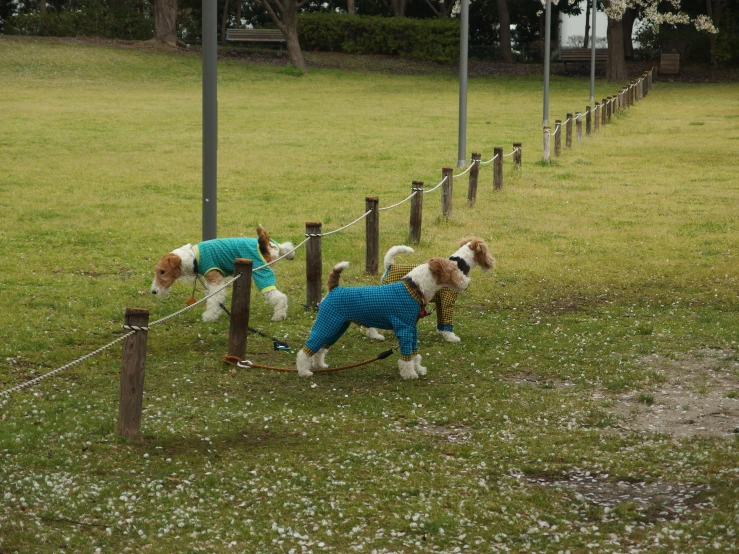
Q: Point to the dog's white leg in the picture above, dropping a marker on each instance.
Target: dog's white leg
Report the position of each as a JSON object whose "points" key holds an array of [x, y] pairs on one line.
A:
{"points": [[213, 304], [407, 370], [279, 303], [319, 359], [303, 364], [372, 333], [449, 336], [418, 368]]}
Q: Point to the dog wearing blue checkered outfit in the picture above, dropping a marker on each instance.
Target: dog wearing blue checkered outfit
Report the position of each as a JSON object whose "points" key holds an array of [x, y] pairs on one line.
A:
{"points": [[214, 260], [472, 252], [396, 306]]}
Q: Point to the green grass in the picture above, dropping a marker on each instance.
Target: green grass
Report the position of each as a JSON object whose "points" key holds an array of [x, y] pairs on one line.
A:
{"points": [[625, 248]]}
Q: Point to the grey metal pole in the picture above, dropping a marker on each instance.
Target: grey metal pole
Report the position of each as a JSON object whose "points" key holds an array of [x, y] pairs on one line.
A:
{"points": [[210, 118], [463, 42], [592, 52], [547, 57]]}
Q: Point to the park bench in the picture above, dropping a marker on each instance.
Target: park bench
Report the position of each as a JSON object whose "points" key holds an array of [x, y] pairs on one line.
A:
{"points": [[254, 35], [582, 55], [669, 64]]}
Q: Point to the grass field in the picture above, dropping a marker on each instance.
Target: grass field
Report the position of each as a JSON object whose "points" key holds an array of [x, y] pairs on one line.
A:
{"points": [[590, 407]]}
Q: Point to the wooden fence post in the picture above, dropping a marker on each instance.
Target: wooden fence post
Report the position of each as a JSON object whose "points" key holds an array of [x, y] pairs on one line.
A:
{"points": [[474, 174], [578, 126], [416, 212], [588, 121], [498, 168], [517, 154], [603, 107], [609, 111], [133, 368], [447, 174], [596, 117], [546, 144], [240, 306], [568, 134], [372, 233], [313, 263], [557, 137]]}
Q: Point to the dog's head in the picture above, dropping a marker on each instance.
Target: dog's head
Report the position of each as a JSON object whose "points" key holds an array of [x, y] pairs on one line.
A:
{"points": [[171, 267], [474, 251], [272, 250], [446, 273]]}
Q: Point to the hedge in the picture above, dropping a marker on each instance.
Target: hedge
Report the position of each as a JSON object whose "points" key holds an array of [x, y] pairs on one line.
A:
{"points": [[422, 39], [96, 22]]}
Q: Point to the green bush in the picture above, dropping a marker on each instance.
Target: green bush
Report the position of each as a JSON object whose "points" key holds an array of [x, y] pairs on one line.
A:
{"points": [[95, 20], [422, 39]]}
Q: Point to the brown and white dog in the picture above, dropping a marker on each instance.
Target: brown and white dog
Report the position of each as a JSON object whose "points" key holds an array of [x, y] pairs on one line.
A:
{"points": [[472, 252], [396, 306], [214, 259]]}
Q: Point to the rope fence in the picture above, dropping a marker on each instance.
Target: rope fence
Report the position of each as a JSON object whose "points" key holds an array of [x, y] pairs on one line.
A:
{"points": [[136, 321], [595, 116]]}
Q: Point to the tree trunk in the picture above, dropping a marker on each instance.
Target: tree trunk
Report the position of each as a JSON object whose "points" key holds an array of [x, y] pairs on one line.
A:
{"points": [[398, 7], [506, 55], [238, 12], [350, 8], [628, 23], [165, 22], [616, 63], [42, 6], [284, 13], [586, 40], [224, 22], [714, 8]]}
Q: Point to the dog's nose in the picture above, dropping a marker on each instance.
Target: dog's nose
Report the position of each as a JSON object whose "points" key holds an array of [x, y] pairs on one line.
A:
{"points": [[153, 292]]}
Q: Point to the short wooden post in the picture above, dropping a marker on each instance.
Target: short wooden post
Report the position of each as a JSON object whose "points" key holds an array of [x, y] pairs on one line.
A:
{"points": [[474, 174], [610, 108], [588, 121], [603, 107], [568, 134], [133, 366], [517, 154], [557, 137], [372, 233], [578, 126], [596, 117], [546, 144], [416, 212], [447, 174], [313, 263], [632, 95], [498, 168], [240, 306]]}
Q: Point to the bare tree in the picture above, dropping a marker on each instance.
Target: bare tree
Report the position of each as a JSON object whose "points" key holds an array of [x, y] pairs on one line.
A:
{"points": [[441, 8], [165, 22], [284, 13], [504, 17]]}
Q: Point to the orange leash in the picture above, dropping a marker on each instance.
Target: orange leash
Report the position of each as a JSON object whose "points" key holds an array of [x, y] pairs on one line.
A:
{"points": [[236, 362]]}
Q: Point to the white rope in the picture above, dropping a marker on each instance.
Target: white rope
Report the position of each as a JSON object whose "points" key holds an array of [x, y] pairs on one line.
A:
{"points": [[437, 186], [361, 217], [489, 161], [411, 195], [465, 171], [511, 154]]}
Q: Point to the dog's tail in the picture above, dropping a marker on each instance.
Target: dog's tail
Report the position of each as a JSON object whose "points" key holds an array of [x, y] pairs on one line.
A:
{"points": [[333, 277], [395, 250]]}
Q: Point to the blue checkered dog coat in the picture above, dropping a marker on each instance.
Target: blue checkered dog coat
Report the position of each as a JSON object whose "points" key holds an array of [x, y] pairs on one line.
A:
{"points": [[395, 306]]}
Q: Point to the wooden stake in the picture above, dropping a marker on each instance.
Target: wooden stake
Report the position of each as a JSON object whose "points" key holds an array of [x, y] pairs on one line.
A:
{"points": [[498, 168], [588, 121], [557, 137], [446, 192], [517, 154], [416, 212], [546, 144], [596, 117], [313, 263], [568, 134], [240, 306], [474, 173], [133, 366], [578, 126], [372, 233]]}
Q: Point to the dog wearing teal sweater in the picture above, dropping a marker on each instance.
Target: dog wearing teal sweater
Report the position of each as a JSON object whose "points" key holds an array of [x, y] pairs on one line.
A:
{"points": [[214, 260]]}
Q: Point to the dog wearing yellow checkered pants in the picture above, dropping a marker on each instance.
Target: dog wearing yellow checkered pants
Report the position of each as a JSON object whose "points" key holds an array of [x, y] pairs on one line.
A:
{"points": [[472, 252], [396, 306]]}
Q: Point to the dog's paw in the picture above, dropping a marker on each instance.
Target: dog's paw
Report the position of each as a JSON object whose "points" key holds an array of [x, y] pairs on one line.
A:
{"points": [[449, 336], [304, 372], [210, 316], [407, 370], [417, 367], [279, 316], [319, 359], [371, 333]]}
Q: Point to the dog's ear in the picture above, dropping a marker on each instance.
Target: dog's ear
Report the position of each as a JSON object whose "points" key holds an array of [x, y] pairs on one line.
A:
{"points": [[173, 260], [482, 256], [440, 268]]}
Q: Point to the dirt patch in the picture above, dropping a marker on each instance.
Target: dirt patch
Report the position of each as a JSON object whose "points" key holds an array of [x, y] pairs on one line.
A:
{"points": [[659, 500], [698, 397]]}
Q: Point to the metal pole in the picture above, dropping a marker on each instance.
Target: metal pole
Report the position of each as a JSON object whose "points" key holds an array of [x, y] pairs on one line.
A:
{"points": [[463, 41], [210, 119], [547, 57], [592, 53]]}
